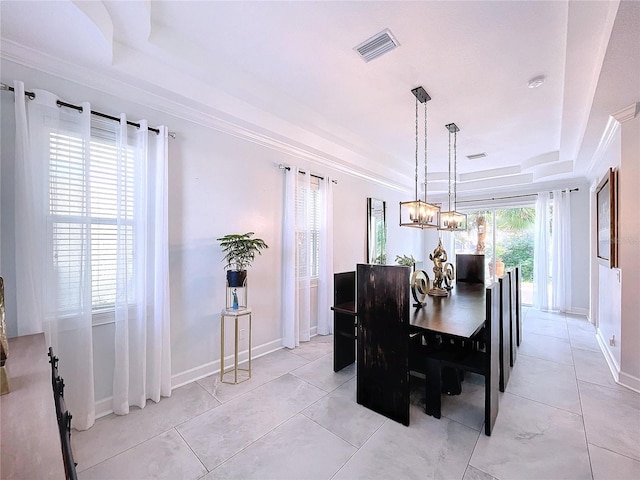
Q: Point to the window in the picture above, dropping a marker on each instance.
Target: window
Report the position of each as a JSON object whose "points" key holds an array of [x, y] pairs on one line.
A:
{"points": [[505, 236], [83, 194], [308, 226]]}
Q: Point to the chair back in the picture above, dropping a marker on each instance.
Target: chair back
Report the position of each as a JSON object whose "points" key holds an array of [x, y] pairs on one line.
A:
{"points": [[383, 340], [518, 278], [505, 332], [513, 333], [470, 268], [344, 287], [492, 357]]}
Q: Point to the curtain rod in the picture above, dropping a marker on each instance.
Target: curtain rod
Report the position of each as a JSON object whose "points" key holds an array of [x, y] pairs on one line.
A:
{"points": [[512, 196], [31, 95], [288, 168]]}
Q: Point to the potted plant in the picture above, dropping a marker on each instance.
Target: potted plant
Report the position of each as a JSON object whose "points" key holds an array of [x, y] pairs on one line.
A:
{"points": [[239, 252], [406, 261]]}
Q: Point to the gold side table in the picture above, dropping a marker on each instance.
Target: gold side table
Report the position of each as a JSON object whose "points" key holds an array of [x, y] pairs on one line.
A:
{"points": [[235, 314]]}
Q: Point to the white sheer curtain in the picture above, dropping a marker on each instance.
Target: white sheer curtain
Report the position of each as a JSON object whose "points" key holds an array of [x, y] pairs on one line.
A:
{"points": [[325, 273], [540, 253], [307, 256], [561, 252], [142, 341], [44, 267], [66, 231], [303, 235], [289, 290]]}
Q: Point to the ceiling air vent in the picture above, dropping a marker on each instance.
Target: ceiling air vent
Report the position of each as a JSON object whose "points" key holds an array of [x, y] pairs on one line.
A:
{"points": [[377, 45], [476, 156]]}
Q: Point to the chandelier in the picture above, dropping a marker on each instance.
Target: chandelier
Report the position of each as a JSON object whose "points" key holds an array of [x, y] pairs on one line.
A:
{"points": [[418, 213], [453, 220]]}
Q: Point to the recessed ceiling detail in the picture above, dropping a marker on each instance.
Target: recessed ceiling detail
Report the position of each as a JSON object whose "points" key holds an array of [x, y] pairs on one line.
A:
{"points": [[476, 156], [377, 45]]}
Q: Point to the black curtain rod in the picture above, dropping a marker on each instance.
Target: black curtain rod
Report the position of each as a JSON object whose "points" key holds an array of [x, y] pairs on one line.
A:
{"points": [[32, 95], [506, 198], [288, 168]]}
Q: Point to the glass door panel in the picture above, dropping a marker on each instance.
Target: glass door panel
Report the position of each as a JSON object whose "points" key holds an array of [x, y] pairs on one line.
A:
{"points": [[505, 237], [478, 238]]}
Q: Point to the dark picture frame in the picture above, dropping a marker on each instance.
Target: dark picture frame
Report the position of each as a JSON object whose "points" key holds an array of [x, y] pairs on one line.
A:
{"points": [[607, 220]]}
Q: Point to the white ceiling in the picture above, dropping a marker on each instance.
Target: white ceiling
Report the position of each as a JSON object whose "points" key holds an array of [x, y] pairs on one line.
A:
{"points": [[287, 73]]}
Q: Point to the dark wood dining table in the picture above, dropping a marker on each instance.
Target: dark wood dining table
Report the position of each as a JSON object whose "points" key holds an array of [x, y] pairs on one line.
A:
{"points": [[458, 317]]}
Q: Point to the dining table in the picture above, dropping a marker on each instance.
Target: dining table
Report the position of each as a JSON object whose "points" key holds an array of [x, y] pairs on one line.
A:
{"points": [[453, 321], [460, 315]]}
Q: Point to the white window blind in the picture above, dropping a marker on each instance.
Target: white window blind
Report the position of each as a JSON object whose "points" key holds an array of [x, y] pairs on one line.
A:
{"points": [[90, 192], [308, 227]]}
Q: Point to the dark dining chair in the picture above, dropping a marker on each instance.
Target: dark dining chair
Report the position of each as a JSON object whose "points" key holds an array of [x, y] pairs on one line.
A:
{"points": [[505, 331], [485, 362], [344, 319], [518, 278], [513, 332], [383, 303], [470, 268]]}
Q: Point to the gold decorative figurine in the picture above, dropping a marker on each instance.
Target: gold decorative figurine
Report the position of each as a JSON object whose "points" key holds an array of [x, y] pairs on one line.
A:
{"points": [[442, 272]]}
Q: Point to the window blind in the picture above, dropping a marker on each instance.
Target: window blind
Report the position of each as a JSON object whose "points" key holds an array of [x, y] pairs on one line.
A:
{"points": [[91, 206]]}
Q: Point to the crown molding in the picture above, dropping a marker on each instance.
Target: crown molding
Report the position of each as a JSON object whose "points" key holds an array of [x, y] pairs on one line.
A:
{"points": [[627, 113], [607, 137], [217, 120], [613, 125]]}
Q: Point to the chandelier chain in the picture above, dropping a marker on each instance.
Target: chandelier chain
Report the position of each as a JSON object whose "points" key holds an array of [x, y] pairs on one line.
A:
{"points": [[425, 152], [455, 171], [416, 178], [449, 169]]}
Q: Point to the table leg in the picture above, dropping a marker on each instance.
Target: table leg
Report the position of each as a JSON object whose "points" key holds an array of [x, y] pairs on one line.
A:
{"points": [[433, 388], [235, 360], [249, 345], [221, 347]]}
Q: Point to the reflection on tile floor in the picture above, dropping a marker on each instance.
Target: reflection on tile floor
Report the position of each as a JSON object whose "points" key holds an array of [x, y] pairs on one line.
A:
{"points": [[562, 416]]}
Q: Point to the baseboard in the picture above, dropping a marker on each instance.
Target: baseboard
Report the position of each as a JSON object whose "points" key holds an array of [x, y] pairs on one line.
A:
{"points": [[193, 374], [104, 407], [608, 356], [630, 382], [579, 311]]}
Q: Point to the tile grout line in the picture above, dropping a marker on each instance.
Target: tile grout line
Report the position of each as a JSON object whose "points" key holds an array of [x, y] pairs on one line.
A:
{"points": [[584, 425], [192, 451]]}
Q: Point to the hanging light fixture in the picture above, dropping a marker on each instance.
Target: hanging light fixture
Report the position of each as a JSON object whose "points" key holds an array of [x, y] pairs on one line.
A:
{"points": [[453, 220], [418, 213]]}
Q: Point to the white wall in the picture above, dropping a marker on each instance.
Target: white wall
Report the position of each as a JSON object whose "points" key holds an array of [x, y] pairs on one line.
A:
{"points": [[607, 280], [629, 251], [616, 298], [218, 184], [580, 287]]}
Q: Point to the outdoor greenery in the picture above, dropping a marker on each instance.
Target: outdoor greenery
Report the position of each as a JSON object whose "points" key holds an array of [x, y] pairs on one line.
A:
{"points": [[514, 237], [518, 250], [240, 250]]}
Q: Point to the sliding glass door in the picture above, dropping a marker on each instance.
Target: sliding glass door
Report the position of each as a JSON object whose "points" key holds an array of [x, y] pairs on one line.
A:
{"points": [[505, 236]]}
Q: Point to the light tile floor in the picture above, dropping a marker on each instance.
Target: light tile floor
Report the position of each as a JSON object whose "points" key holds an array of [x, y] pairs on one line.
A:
{"points": [[561, 417]]}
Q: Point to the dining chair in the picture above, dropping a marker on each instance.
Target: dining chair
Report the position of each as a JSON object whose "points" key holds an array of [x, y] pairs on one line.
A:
{"points": [[382, 370], [470, 268], [345, 321], [518, 278], [513, 333], [505, 331], [485, 362]]}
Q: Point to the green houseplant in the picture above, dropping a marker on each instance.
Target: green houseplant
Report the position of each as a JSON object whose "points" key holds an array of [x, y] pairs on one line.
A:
{"points": [[406, 260], [239, 252]]}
